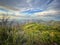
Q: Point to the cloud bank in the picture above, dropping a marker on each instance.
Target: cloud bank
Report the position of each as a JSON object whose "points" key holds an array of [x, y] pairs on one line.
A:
{"points": [[32, 8]]}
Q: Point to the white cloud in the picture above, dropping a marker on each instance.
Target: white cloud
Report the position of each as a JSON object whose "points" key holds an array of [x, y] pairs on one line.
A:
{"points": [[48, 12]]}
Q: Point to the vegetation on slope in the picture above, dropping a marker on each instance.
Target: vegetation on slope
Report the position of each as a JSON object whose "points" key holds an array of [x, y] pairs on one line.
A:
{"points": [[30, 34]]}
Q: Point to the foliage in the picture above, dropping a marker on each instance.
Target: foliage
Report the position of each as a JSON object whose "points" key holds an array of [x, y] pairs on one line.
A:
{"points": [[30, 34]]}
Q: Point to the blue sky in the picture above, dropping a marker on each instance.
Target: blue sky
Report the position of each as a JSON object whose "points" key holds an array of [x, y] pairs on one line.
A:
{"points": [[32, 8]]}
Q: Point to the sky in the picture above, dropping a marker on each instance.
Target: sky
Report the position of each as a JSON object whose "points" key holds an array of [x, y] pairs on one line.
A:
{"points": [[49, 9]]}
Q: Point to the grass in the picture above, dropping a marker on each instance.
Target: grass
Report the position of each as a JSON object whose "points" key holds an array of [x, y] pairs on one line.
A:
{"points": [[31, 34]]}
